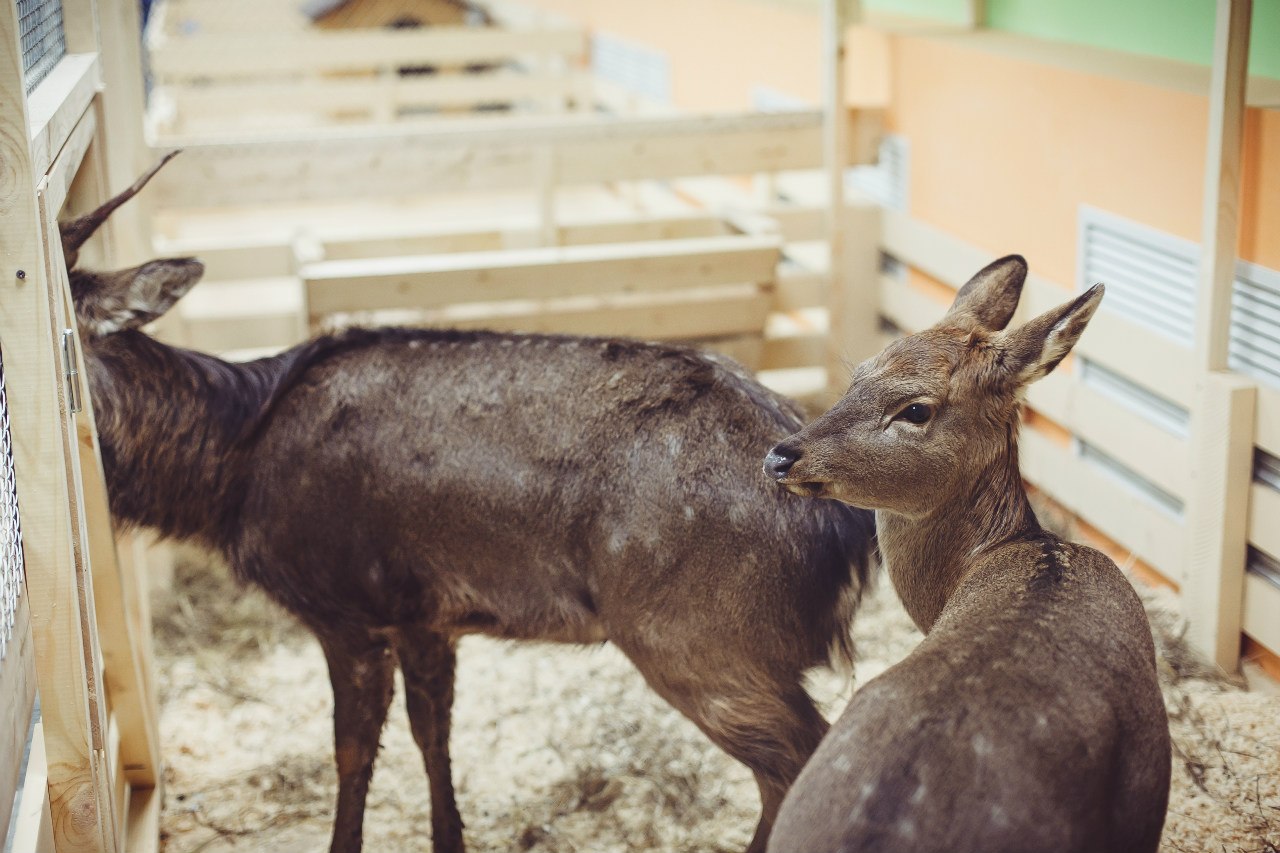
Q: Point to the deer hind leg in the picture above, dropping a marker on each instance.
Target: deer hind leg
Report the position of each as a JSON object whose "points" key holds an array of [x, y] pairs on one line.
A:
{"points": [[362, 678], [766, 722], [427, 660]]}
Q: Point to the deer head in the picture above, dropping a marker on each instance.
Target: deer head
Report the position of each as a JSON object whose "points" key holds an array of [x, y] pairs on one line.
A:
{"points": [[110, 302], [930, 416]]}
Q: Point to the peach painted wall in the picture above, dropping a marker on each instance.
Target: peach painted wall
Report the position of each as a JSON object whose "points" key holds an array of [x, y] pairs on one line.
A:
{"points": [[721, 49], [1004, 151]]}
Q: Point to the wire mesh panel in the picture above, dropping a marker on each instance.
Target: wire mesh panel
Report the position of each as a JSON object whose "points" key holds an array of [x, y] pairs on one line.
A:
{"points": [[11, 571], [43, 39]]}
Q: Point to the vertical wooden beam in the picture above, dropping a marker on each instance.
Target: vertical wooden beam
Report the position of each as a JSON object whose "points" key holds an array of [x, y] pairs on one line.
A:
{"points": [[1221, 212], [121, 116], [32, 374], [836, 18], [975, 13], [1222, 468], [1222, 420]]}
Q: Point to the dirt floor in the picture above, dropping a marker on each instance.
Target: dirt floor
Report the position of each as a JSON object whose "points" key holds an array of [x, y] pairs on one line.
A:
{"points": [[564, 749]]}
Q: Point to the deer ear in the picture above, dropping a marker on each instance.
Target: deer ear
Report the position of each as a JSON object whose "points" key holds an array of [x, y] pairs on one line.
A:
{"points": [[1034, 350], [114, 301], [989, 299]]}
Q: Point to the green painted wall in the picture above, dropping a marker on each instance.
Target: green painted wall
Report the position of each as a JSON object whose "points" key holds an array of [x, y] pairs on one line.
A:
{"points": [[1176, 29]]}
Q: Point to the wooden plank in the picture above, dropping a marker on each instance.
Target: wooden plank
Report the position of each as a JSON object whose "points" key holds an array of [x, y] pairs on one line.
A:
{"points": [[40, 462], [241, 103], [65, 166], [835, 142], [1267, 429], [120, 109], [1218, 516], [17, 701], [1220, 217], [33, 824], [854, 323], [56, 105], [97, 774], [436, 281], [792, 351], [800, 289], [1148, 450], [1264, 520], [483, 154], [1150, 533], [143, 835], [1261, 604], [683, 315], [261, 54]]}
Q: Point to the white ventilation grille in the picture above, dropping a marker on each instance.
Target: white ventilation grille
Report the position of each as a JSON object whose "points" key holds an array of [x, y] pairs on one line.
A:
{"points": [[888, 181], [1130, 479], [1160, 411], [1255, 323], [634, 68], [1150, 276]]}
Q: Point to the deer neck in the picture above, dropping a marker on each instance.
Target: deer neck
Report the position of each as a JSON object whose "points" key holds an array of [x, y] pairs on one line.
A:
{"points": [[928, 556], [171, 425]]}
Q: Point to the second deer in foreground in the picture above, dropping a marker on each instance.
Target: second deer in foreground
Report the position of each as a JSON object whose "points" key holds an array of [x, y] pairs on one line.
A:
{"points": [[1030, 717]]}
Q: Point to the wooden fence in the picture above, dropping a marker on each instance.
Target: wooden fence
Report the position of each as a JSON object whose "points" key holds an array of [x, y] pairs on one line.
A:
{"points": [[704, 275], [216, 67], [84, 760]]}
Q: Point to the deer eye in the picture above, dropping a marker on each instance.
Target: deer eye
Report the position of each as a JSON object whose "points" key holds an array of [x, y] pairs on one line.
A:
{"points": [[916, 413]]}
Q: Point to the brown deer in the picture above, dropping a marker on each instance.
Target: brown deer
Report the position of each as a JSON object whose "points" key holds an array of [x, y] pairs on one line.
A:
{"points": [[396, 489], [1030, 717]]}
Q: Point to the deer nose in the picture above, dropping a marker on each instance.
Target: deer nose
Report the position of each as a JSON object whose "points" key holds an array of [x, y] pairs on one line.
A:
{"points": [[780, 460]]}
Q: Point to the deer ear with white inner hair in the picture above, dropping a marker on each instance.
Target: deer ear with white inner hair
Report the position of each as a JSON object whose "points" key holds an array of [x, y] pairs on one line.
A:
{"points": [[1032, 351]]}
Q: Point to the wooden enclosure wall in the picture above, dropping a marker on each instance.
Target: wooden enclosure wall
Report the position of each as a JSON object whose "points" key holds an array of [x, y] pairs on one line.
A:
{"points": [[91, 781], [223, 65]]}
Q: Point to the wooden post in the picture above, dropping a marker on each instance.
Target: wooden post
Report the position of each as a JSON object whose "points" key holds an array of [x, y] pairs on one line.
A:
{"points": [[121, 109], [1222, 417], [836, 18], [80, 820]]}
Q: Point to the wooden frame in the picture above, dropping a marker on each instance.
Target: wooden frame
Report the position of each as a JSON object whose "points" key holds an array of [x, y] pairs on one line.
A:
{"points": [[92, 776], [287, 74]]}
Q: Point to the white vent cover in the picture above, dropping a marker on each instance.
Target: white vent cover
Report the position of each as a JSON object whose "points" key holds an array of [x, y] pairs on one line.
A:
{"points": [[887, 182], [1150, 276], [1151, 281], [633, 67], [1255, 322]]}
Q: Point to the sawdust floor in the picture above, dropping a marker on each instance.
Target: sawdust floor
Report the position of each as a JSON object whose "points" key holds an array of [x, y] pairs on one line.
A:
{"points": [[562, 749]]}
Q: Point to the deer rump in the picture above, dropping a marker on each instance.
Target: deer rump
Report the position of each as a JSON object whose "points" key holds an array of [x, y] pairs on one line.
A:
{"points": [[535, 487]]}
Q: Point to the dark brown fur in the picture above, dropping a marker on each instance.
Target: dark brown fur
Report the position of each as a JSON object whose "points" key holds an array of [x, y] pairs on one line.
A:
{"points": [[1029, 719], [397, 489]]}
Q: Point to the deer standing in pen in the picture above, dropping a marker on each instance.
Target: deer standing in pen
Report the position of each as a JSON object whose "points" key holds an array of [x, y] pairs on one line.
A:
{"points": [[396, 489], [1030, 717]]}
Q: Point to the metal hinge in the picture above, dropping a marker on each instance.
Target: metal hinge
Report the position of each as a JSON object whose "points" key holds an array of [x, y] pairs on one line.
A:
{"points": [[71, 370]]}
